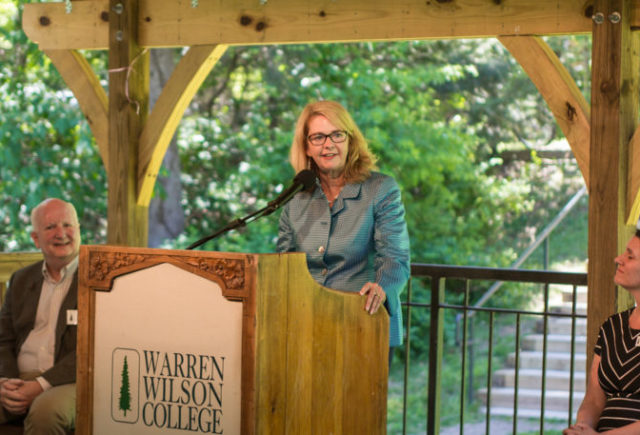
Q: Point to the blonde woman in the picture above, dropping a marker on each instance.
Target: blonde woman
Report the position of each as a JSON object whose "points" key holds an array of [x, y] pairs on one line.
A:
{"points": [[351, 224]]}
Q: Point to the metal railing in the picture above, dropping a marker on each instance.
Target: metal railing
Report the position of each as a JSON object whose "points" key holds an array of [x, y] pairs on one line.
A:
{"points": [[450, 291]]}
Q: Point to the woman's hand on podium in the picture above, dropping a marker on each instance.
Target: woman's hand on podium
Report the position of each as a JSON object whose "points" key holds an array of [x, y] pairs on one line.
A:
{"points": [[376, 297]]}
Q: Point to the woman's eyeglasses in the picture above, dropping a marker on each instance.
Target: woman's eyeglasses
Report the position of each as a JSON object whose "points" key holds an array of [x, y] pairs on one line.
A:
{"points": [[318, 139]]}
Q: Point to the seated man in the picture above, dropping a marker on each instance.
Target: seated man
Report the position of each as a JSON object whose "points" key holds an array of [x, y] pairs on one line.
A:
{"points": [[38, 327]]}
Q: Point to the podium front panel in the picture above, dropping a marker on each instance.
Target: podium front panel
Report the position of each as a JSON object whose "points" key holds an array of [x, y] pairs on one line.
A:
{"points": [[176, 341], [169, 355], [165, 342]]}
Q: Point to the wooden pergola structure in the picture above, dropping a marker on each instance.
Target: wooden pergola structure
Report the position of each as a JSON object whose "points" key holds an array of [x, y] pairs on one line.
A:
{"points": [[132, 142]]}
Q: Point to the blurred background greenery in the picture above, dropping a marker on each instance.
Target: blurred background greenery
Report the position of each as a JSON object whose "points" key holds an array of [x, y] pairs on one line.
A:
{"points": [[482, 165]]}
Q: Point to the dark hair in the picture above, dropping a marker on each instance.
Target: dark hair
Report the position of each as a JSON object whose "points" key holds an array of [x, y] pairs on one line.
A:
{"points": [[638, 233]]}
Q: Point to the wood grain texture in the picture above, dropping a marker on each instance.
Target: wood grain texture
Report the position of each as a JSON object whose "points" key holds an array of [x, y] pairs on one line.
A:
{"points": [[313, 360], [230, 271], [127, 222], [193, 69], [612, 117], [11, 262], [85, 346], [164, 23], [329, 375], [569, 107]]}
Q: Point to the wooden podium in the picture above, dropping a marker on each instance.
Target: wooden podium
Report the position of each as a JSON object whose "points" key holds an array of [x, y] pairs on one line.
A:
{"points": [[174, 341]]}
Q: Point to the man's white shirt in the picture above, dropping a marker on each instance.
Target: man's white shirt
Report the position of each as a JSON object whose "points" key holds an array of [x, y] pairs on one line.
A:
{"points": [[37, 352]]}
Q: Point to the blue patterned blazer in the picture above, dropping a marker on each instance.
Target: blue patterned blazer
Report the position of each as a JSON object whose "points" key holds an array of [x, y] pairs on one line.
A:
{"points": [[362, 238]]}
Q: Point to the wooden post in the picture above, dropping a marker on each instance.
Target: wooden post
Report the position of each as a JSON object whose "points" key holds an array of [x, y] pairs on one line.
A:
{"points": [[614, 101], [128, 105]]}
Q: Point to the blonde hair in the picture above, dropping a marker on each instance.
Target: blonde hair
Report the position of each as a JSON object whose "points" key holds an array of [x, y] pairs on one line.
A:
{"points": [[360, 160]]}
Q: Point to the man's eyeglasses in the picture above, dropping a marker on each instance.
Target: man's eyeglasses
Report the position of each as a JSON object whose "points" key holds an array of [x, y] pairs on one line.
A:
{"points": [[318, 139]]}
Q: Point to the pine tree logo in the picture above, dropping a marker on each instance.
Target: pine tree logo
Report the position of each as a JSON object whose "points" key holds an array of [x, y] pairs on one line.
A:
{"points": [[125, 396], [125, 375]]}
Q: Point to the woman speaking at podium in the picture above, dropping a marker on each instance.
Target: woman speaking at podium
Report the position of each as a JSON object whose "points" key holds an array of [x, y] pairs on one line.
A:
{"points": [[351, 223]]}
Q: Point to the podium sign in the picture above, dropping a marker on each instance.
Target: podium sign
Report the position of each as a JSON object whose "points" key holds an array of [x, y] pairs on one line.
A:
{"points": [[174, 355], [205, 342]]}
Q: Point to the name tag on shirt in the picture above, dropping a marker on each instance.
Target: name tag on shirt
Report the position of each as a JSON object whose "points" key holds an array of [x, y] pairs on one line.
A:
{"points": [[72, 317]]}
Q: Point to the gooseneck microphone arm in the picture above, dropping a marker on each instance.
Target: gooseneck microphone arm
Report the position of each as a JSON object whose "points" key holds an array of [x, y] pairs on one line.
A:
{"points": [[304, 180], [236, 223]]}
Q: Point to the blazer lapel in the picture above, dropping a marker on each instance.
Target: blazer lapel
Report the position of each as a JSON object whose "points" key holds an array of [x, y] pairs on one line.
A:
{"points": [[32, 297], [349, 191], [70, 302]]}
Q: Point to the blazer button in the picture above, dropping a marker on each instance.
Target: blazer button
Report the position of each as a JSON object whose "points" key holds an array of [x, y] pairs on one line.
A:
{"points": [[324, 271], [321, 249]]}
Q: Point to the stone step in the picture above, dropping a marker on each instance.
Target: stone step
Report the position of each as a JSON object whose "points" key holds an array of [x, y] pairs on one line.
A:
{"points": [[555, 360], [549, 414], [532, 378], [581, 294], [562, 325], [555, 343], [567, 307], [530, 399]]}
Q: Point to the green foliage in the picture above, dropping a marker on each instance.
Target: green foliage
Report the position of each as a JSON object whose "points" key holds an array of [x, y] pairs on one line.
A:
{"points": [[441, 115], [418, 103], [46, 146], [437, 113]]}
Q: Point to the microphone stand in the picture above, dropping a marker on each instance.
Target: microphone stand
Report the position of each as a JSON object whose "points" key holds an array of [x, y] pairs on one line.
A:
{"points": [[236, 223], [303, 180]]}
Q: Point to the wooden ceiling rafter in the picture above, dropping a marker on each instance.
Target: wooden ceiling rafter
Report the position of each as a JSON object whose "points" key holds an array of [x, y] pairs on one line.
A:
{"points": [[569, 107], [185, 81], [167, 23]]}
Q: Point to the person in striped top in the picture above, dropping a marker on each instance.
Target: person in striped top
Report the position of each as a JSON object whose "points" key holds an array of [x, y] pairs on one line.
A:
{"points": [[612, 401]]}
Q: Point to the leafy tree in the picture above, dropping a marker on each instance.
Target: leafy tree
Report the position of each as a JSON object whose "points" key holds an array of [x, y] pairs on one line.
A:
{"points": [[46, 146], [439, 114], [420, 105]]}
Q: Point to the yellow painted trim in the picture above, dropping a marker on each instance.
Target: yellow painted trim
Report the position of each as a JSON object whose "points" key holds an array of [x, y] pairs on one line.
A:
{"points": [[167, 112], [633, 187]]}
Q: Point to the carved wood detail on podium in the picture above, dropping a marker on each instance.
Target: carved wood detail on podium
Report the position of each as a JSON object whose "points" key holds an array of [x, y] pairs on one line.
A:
{"points": [[308, 352], [104, 267]]}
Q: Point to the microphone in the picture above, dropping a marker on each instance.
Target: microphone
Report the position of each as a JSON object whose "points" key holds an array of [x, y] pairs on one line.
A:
{"points": [[302, 181]]}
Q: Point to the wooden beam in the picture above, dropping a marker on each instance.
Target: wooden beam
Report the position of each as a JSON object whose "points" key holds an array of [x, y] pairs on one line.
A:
{"points": [[614, 100], [127, 223], [633, 189], [167, 112], [164, 23], [11, 262], [558, 89], [91, 96]]}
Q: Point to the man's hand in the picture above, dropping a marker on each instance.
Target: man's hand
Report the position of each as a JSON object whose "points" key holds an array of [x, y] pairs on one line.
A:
{"points": [[16, 395]]}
